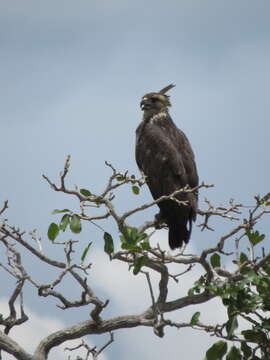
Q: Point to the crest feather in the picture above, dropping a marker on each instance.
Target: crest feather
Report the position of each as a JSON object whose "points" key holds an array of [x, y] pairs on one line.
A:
{"points": [[167, 88]]}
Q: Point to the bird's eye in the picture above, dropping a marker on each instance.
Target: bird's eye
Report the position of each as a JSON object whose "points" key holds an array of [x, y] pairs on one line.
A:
{"points": [[154, 100]]}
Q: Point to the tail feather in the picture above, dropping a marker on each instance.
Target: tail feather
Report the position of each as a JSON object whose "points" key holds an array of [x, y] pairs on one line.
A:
{"points": [[179, 233], [179, 220]]}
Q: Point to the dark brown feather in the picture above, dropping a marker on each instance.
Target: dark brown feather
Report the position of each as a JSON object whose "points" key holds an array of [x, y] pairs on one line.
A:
{"points": [[166, 89], [164, 154]]}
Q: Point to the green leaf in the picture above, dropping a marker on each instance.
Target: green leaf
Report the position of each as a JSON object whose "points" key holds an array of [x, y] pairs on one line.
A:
{"points": [[85, 192], [142, 236], [231, 326], [216, 351], [135, 189], [129, 246], [145, 245], [249, 273], [215, 289], [138, 264], [75, 224], [215, 260], [130, 235], [265, 198], [56, 211], [108, 246], [266, 267], [64, 222], [243, 258], [197, 286], [254, 237], [53, 231], [195, 318], [266, 323], [234, 354], [120, 178], [247, 351], [254, 336], [85, 251], [263, 286], [133, 179]]}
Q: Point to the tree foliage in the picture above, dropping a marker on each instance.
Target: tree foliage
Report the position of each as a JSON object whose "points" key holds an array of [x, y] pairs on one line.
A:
{"points": [[243, 286]]}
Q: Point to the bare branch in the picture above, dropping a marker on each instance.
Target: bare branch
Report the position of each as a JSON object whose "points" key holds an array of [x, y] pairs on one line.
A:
{"points": [[66, 168], [17, 236], [150, 288], [172, 196], [5, 206], [13, 348], [95, 353], [89, 327]]}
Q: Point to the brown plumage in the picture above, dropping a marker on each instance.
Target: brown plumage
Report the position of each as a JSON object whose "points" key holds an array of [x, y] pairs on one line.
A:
{"points": [[164, 155]]}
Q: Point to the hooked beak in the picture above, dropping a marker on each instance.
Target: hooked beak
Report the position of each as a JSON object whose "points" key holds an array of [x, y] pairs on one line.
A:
{"points": [[145, 104]]}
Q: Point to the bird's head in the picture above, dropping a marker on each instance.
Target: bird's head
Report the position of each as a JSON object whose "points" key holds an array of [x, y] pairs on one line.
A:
{"points": [[154, 103]]}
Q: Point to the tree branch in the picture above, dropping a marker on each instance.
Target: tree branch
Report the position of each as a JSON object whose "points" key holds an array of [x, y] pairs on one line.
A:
{"points": [[13, 348]]}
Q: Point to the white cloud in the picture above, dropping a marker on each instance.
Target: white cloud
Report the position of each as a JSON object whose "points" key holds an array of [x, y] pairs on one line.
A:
{"points": [[29, 334]]}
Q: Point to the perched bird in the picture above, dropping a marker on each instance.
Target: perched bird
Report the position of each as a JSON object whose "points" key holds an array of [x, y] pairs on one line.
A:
{"points": [[165, 157]]}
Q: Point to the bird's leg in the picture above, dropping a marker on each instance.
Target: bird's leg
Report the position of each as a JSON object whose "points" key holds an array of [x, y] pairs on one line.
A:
{"points": [[143, 179], [182, 249]]}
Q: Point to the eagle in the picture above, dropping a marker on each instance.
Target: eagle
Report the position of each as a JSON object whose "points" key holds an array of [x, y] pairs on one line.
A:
{"points": [[165, 157]]}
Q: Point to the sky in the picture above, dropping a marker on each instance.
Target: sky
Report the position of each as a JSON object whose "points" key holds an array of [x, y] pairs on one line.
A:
{"points": [[72, 75]]}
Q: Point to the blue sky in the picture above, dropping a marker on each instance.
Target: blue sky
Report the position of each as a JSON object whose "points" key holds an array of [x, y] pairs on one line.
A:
{"points": [[73, 73]]}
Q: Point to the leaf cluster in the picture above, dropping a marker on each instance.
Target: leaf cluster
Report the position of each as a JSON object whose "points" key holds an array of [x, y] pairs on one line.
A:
{"points": [[73, 221], [245, 296], [134, 241]]}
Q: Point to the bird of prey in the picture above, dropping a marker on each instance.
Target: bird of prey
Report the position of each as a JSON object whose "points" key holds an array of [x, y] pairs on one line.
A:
{"points": [[165, 157]]}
